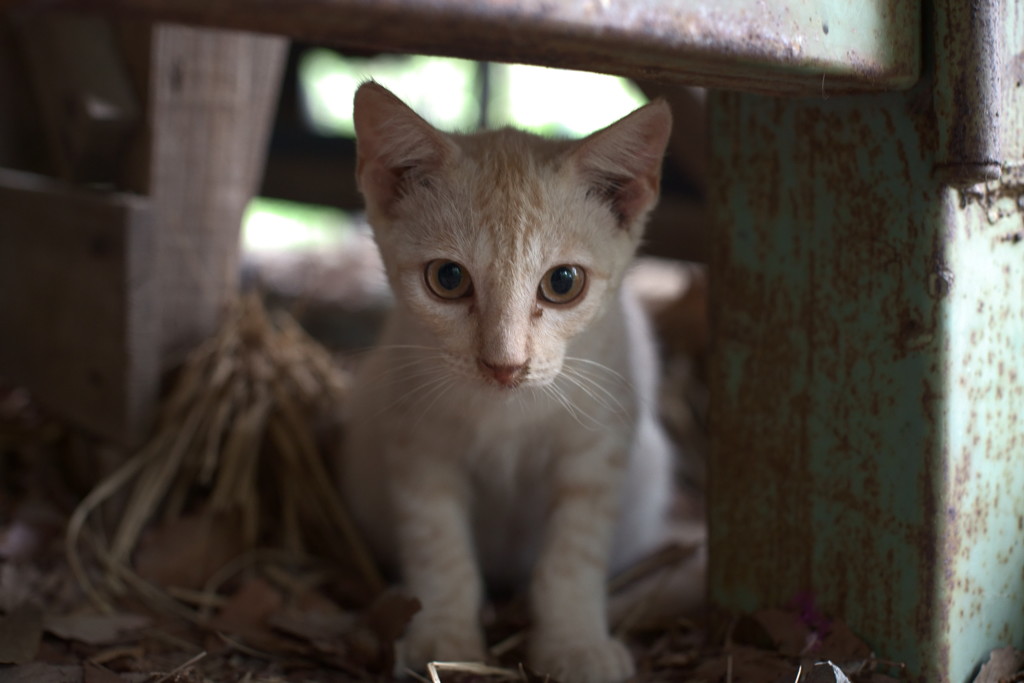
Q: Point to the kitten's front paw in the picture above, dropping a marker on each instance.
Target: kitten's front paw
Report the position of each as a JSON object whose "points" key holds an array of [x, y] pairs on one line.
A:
{"points": [[436, 640], [598, 660]]}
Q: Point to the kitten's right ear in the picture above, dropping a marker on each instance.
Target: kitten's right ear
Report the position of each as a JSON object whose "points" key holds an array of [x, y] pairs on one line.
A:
{"points": [[622, 163], [394, 146]]}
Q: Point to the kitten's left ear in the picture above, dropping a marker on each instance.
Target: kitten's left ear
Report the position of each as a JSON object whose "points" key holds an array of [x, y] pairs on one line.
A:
{"points": [[622, 163]]}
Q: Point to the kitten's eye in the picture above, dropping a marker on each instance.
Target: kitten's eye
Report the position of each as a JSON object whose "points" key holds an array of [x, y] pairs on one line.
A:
{"points": [[448, 279], [562, 284]]}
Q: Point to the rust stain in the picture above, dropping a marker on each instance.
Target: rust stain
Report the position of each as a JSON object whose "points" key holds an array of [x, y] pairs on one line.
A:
{"points": [[795, 317]]}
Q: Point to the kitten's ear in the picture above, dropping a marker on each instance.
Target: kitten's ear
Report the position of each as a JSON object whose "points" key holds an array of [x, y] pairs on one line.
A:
{"points": [[394, 146], [622, 163]]}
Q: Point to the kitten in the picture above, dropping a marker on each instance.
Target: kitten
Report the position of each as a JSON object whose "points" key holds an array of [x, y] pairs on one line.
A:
{"points": [[505, 428]]}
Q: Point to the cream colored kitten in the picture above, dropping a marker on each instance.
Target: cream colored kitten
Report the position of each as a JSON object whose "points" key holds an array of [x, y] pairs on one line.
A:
{"points": [[504, 430]]}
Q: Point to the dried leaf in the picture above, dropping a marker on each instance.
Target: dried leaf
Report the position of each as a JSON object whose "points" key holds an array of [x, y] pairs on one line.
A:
{"points": [[748, 631], [388, 616], [1001, 666], [38, 672], [371, 644], [99, 674], [747, 665], [96, 629], [841, 644], [111, 654], [789, 634], [182, 673], [249, 608], [20, 634], [315, 626], [470, 669], [528, 675], [187, 551], [827, 672]]}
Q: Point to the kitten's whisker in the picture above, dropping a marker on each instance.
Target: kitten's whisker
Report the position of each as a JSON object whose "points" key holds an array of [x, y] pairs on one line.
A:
{"points": [[553, 392], [411, 394], [439, 390], [391, 379], [416, 356], [399, 369], [605, 407], [595, 374], [599, 377], [600, 383], [599, 366], [591, 374], [586, 385], [357, 354], [574, 408], [402, 353], [597, 392], [427, 361], [409, 363], [410, 347], [521, 401]]}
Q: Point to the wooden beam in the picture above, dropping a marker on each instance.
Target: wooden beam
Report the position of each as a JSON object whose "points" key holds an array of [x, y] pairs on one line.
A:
{"points": [[77, 299], [212, 96]]}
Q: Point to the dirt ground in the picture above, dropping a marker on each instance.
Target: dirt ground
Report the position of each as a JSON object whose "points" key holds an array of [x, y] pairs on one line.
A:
{"points": [[274, 617]]}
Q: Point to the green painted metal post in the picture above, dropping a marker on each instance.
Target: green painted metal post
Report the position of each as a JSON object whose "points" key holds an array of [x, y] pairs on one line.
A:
{"points": [[868, 385]]}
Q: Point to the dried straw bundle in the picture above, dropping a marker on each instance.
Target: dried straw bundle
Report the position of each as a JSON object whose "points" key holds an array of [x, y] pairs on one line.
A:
{"points": [[235, 437]]}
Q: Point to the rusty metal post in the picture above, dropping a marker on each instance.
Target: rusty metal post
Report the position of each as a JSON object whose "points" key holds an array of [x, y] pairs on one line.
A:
{"points": [[868, 386], [968, 83]]}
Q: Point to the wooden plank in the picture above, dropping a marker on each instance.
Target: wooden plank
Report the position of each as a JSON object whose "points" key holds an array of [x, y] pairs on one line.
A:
{"points": [[100, 292], [77, 314], [807, 47], [212, 96]]}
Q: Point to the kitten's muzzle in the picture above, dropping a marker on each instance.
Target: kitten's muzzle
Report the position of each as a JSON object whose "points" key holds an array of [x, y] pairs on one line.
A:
{"points": [[506, 375]]}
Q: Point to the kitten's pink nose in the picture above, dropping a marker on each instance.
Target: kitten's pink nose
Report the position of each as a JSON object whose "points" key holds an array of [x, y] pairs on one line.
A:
{"points": [[508, 375]]}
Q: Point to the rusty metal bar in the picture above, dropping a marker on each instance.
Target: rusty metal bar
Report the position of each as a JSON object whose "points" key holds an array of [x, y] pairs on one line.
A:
{"points": [[867, 388], [796, 47]]}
